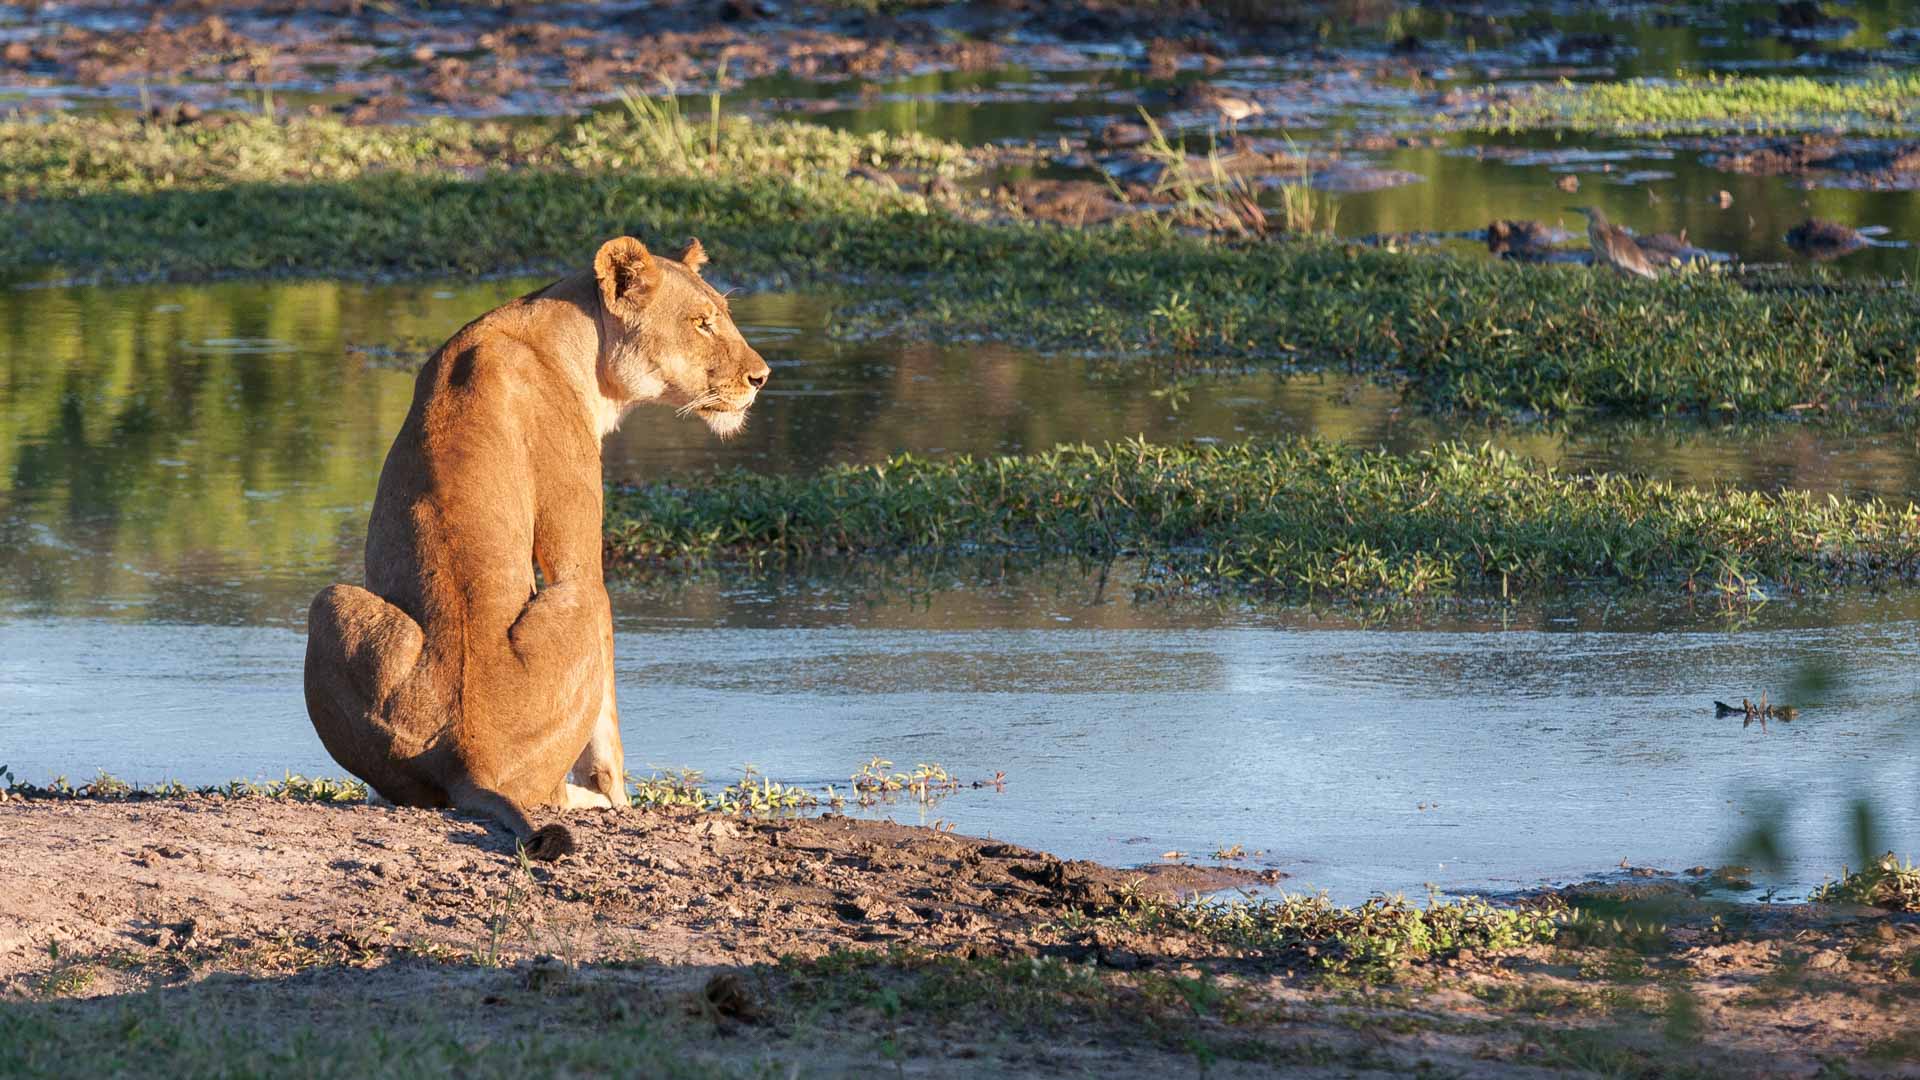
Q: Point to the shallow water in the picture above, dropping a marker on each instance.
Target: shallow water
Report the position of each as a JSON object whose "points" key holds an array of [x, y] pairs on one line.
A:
{"points": [[1451, 183], [1350, 760], [188, 465]]}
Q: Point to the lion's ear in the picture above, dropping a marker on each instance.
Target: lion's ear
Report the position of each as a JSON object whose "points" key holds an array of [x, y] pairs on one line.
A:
{"points": [[694, 256], [626, 273]]}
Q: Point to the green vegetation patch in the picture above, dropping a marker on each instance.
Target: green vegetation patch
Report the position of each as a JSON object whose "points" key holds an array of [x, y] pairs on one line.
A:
{"points": [[259, 1029], [1373, 937], [65, 155], [1294, 518], [292, 787], [1887, 883], [777, 202], [1882, 104]]}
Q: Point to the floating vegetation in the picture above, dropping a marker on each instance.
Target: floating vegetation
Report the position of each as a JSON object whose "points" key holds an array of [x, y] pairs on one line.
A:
{"points": [[1713, 103], [1298, 518], [874, 782], [752, 794], [1887, 883]]}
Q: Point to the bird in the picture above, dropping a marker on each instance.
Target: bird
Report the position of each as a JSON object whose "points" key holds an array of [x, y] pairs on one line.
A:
{"points": [[1235, 109], [1615, 246], [1204, 95]]}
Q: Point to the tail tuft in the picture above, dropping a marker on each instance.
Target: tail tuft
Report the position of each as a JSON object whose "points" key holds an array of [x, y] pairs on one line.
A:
{"points": [[549, 842]]}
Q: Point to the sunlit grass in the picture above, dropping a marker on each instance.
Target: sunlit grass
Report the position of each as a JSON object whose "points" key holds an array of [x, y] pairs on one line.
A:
{"points": [[1878, 104], [67, 154], [1300, 519]]}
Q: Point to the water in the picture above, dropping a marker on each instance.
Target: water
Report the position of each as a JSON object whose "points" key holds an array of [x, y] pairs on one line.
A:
{"points": [[1350, 760], [1448, 183], [188, 465]]}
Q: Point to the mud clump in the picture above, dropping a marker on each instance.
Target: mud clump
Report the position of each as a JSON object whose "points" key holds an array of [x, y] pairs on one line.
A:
{"points": [[1823, 160], [1063, 202], [1525, 240], [1820, 239]]}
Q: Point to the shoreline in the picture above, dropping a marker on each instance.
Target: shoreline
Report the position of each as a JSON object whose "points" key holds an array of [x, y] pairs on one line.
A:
{"points": [[839, 945]]}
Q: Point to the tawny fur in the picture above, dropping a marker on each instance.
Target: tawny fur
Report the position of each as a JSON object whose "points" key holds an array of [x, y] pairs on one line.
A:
{"points": [[456, 677]]}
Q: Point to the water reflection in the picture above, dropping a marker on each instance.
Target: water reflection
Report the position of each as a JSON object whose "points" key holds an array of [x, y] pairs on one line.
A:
{"points": [[208, 454]]}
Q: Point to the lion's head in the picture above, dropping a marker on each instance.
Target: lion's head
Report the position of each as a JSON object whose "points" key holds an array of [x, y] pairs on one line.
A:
{"points": [[671, 336]]}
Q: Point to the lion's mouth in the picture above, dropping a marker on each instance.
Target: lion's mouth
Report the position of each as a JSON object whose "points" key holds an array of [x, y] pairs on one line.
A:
{"points": [[724, 420]]}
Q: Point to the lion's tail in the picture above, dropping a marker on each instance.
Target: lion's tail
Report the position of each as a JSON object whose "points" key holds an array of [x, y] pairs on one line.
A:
{"points": [[544, 844]]}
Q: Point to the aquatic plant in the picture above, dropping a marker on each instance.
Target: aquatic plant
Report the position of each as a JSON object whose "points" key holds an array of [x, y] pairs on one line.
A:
{"points": [[1299, 518], [1713, 103], [752, 794], [1885, 883], [927, 783]]}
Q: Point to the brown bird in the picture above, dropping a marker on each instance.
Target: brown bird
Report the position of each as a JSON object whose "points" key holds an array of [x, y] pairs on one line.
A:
{"points": [[1614, 246]]}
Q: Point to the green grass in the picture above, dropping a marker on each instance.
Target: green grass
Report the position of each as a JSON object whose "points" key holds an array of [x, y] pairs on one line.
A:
{"points": [[111, 198], [292, 787], [1888, 883], [1385, 932], [1881, 104], [249, 1032], [1300, 519], [68, 155]]}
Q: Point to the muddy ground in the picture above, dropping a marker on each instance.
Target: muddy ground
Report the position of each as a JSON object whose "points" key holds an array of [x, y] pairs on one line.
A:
{"points": [[382, 61], [904, 948]]}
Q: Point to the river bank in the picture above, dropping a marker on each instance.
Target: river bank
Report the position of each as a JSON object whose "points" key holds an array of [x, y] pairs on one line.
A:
{"points": [[207, 932]]}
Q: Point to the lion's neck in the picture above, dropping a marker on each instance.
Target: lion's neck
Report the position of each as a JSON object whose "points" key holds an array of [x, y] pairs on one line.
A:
{"points": [[565, 316]]}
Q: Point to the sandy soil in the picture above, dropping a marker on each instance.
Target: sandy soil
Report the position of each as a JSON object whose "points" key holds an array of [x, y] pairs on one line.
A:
{"points": [[291, 905]]}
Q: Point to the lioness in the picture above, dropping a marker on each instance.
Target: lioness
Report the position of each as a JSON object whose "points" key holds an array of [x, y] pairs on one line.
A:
{"points": [[456, 677]]}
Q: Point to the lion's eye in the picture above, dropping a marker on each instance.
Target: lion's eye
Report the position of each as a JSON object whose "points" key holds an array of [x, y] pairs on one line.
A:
{"points": [[704, 324]]}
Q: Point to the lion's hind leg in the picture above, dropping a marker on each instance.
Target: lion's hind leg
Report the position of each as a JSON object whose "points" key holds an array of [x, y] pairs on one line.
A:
{"points": [[360, 650]]}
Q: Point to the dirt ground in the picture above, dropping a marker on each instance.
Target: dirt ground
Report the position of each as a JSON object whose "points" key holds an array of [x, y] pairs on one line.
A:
{"points": [[834, 945]]}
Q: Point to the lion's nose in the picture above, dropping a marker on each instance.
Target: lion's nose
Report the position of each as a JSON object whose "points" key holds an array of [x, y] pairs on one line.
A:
{"points": [[759, 379]]}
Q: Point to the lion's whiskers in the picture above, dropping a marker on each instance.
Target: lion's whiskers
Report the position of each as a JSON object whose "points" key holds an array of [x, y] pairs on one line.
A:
{"points": [[700, 401]]}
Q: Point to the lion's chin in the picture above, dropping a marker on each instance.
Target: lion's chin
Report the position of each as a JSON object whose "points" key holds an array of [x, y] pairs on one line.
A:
{"points": [[724, 422]]}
